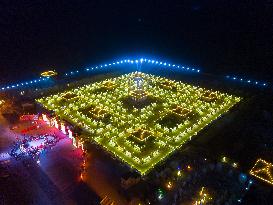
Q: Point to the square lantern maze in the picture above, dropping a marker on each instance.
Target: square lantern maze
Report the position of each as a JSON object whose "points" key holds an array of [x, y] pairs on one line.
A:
{"points": [[140, 118]]}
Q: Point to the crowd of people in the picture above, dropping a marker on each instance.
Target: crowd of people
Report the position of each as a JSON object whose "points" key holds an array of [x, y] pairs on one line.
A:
{"points": [[27, 146]]}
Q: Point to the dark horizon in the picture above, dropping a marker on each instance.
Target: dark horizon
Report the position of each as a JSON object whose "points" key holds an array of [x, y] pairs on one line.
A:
{"points": [[224, 37]]}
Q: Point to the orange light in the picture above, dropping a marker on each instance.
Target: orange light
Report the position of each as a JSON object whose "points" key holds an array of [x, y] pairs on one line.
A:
{"points": [[49, 73], [263, 170], [169, 185]]}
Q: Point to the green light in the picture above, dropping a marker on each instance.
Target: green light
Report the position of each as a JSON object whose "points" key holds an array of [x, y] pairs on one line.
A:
{"points": [[140, 124], [160, 194]]}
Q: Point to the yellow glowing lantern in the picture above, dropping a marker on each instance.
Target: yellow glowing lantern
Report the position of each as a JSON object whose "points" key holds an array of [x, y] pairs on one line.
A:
{"points": [[49, 73]]}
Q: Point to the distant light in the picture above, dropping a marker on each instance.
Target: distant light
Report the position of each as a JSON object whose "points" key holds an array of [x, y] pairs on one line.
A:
{"points": [[193, 69], [183, 67], [198, 71], [105, 65], [179, 173], [188, 68], [224, 159], [165, 63], [264, 84], [153, 61], [169, 65], [136, 61], [160, 63], [248, 81], [227, 76], [87, 69], [160, 196], [256, 82], [234, 78], [49, 73], [241, 79], [117, 62], [173, 65], [109, 64], [169, 185], [243, 176], [121, 61]]}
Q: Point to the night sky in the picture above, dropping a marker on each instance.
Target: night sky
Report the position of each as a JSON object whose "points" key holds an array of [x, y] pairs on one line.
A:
{"points": [[222, 36]]}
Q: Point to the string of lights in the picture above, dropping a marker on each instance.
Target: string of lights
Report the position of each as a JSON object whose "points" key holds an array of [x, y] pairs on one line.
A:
{"points": [[100, 67], [26, 83], [134, 61], [248, 81]]}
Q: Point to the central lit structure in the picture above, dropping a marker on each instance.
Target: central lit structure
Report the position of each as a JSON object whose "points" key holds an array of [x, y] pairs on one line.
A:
{"points": [[140, 118]]}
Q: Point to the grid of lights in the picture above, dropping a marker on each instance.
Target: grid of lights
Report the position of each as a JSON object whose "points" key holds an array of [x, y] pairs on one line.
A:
{"points": [[248, 81], [263, 170], [140, 132]]}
